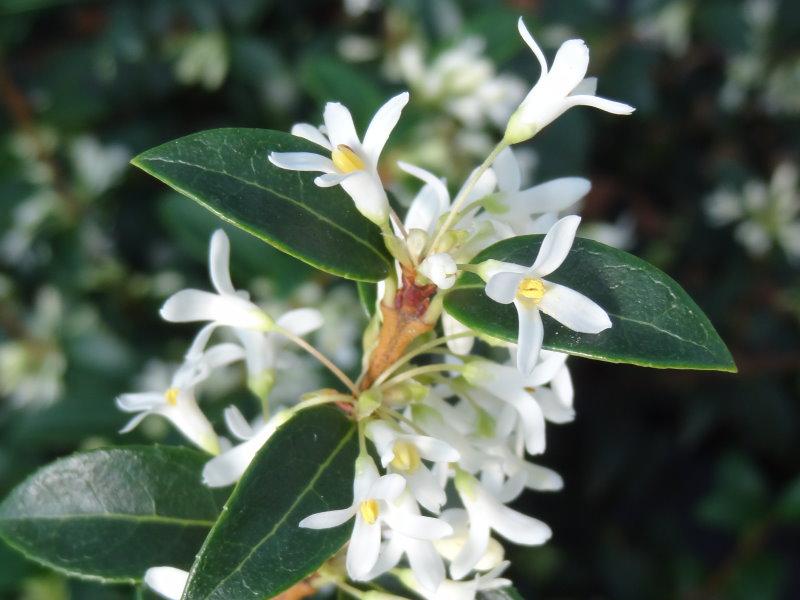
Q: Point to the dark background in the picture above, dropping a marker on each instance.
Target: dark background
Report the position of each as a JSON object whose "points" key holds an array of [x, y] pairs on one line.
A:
{"points": [[678, 484]]}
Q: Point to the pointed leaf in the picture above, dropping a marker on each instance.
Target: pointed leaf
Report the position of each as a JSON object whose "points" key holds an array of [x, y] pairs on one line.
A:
{"points": [[256, 549], [109, 514], [227, 171], [655, 322]]}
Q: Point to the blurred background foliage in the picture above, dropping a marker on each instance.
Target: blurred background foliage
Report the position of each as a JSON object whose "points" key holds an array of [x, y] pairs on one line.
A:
{"points": [[678, 485]]}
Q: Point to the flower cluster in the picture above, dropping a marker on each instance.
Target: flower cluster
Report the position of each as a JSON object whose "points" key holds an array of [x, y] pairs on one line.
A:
{"points": [[435, 414], [764, 214]]}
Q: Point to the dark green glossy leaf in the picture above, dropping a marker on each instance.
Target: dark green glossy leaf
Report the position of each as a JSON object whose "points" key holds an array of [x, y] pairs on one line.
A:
{"points": [[655, 322], [227, 171], [368, 295], [109, 514], [256, 549]]}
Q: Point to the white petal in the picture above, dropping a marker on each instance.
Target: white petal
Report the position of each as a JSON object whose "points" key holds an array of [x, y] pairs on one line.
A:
{"points": [[533, 424], [198, 305], [537, 51], [200, 341], [312, 134], [365, 545], [569, 67], [302, 161], [387, 487], [222, 355], [516, 527], [330, 179], [553, 410], [366, 476], [339, 124], [550, 363], [228, 467], [383, 436], [134, 422], [529, 336], [382, 125], [367, 192], [441, 269], [328, 519], [187, 417], [417, 527], [485, 185], [425, 563], [139, 401], [426, 490], [556, 245], [573, 309], [506, 168], [169, 582], [389, 556], [562, 386], [541, 478], [551, 196], [434, 450], [218, 261], [609, 106], [462, 345], [502, 287], [475, 547], [301, 321], [431, 202], [237, 424]]}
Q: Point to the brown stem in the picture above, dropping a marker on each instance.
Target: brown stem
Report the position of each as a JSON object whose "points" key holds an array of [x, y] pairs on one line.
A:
{"points": [[402, 324]]}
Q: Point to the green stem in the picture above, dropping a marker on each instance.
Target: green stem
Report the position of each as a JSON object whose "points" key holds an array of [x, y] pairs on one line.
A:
{"points": [[416, 372], [320, 357], [465, 192]]}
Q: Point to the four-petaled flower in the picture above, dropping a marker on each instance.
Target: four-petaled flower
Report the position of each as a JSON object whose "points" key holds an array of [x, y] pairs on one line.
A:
{"points": [[530, 293], [373, 506], [557, 90], [351, 163]]}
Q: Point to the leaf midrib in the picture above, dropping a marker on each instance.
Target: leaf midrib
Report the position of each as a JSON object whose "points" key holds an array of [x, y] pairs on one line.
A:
{"points": [[114, 517], [255, 184], [286, 514]]}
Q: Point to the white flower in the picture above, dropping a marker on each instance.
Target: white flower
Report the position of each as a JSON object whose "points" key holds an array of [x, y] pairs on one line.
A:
{"points": [[460, 590], [177, 403], [530, 293], [226, 468], [486, 513], [425, 561], [233, 308], [441, 269], [227, 307], [511, 209], [558, 89], [403, 454], [373, 497], [353, 164], [168, 582]]}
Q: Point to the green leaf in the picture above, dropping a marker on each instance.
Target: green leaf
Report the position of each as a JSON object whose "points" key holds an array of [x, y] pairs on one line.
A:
{"points": [[368, 295], [227, 171], [655, 322], [256, 548], [109, 514]]}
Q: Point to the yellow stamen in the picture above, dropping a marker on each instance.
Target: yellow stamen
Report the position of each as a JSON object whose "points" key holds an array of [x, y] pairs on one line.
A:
{"points": [[369, 511], [406, 457], [531, 289], [171, 396], [346, 160]]}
